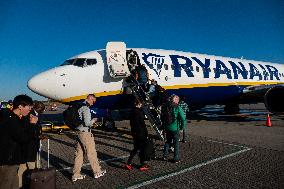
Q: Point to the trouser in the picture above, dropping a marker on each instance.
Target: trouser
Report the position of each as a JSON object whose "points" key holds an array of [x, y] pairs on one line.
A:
{"points": [[86, 144], [138, 144], [8, 177], [22, 169], [185, 134], [172, 136]]}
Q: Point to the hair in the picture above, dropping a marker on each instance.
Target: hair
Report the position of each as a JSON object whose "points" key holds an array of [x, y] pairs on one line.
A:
{"points": [[23, 100], [39, 106], [91, 95], [172, 99], [137, 102]]}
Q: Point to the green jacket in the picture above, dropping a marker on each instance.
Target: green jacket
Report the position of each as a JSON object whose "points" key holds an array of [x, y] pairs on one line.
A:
{"points": [[179, 120]]}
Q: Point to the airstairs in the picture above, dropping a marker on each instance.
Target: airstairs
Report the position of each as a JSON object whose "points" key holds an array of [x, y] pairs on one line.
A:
{"points": [[149, 109], [118, 65]]}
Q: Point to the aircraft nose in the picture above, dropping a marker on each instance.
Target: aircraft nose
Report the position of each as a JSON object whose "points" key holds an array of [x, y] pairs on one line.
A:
{"points": [[38, 84]]}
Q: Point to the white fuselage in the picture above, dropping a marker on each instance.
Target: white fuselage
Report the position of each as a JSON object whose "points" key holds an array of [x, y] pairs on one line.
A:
{"points": [[174, 70]]}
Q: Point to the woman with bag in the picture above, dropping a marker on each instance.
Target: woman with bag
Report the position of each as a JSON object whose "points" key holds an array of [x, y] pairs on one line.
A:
{"points": [[172, 128]]}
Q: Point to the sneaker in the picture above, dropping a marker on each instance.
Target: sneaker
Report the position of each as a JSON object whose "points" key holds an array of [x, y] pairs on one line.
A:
{"points": [[80, 177], [171, 149], [176, 161], [128, 166], [98, 175], [144, 167]]}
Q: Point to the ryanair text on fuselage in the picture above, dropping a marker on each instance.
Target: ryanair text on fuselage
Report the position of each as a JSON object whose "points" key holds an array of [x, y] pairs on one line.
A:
{"points": [[231, 69]]}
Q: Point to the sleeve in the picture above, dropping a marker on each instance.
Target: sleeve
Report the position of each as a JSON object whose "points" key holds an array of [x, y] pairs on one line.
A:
{"points": [[86, 116], [182, 117]]}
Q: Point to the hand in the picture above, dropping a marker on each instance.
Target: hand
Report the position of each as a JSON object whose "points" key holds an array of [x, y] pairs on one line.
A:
{"points": [[33, 119]]}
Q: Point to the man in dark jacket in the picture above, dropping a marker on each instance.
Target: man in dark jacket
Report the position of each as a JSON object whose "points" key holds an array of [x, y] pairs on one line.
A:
{"points": [[31, 148], [142, 76], [13, 136], [139, 133]]}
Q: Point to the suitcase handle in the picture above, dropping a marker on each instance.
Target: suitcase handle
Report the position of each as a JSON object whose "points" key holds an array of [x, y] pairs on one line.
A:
{"points": [[38, 159]]}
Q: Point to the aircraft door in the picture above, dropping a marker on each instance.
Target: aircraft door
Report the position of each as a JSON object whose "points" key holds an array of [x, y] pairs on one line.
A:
{"points": [[116, 59]]}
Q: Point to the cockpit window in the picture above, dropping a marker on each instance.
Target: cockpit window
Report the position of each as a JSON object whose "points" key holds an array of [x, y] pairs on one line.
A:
{"points": [[81, 62], [91, 61], [68, 62]]}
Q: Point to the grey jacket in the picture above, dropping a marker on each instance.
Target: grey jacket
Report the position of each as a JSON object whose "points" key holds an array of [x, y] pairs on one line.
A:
{"points": [[85, 115]]}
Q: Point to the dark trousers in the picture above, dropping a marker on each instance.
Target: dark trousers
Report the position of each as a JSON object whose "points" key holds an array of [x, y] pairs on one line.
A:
{"points": [[185, 134], [138, 145], [9, 177], [172, 136]]}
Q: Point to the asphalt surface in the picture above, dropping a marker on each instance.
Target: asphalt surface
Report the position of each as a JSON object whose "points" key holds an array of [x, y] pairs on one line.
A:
{"points": [[225, 151]]}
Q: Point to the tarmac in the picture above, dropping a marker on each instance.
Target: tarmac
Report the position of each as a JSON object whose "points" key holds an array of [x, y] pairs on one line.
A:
{"points": [[224, 151]]}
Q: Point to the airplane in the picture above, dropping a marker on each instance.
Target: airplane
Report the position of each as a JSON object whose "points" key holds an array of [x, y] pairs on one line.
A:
{"points": [[202, 79]]}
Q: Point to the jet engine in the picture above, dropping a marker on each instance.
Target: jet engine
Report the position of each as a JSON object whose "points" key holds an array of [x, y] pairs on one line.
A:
{"points": [[274, 99]]}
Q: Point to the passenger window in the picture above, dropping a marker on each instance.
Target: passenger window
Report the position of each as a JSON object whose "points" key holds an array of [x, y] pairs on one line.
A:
{"points": [[173, 67], [197, 68]]}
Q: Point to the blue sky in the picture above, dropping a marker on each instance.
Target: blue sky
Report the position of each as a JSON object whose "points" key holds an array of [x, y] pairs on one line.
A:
{"points": [[39, 35]]}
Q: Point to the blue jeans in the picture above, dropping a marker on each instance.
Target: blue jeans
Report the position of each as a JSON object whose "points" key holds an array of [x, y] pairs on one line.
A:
{"points": [[172, 136]]}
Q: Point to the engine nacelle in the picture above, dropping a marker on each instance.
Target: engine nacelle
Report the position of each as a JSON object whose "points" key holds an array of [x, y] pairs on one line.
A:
{"points": [[274, 99]]}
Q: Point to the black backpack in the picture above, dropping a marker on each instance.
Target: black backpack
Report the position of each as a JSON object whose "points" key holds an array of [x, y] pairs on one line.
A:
{"points": [[71, 116]]}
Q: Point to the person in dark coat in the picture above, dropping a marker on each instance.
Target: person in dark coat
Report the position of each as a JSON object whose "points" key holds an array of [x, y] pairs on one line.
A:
{"points": [[139, 133], [142, 76], [13, 136], [31, 148]]}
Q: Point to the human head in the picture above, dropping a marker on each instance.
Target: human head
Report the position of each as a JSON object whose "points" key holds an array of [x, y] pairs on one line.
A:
{"points": [[38, 107], [10, 102], [175, 99], [153, 82], [22, 104], [91, 99], [138, 103]]}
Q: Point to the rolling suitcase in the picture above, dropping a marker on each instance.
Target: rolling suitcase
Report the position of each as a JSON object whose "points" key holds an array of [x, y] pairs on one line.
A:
{"points": [[43, 178]]}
